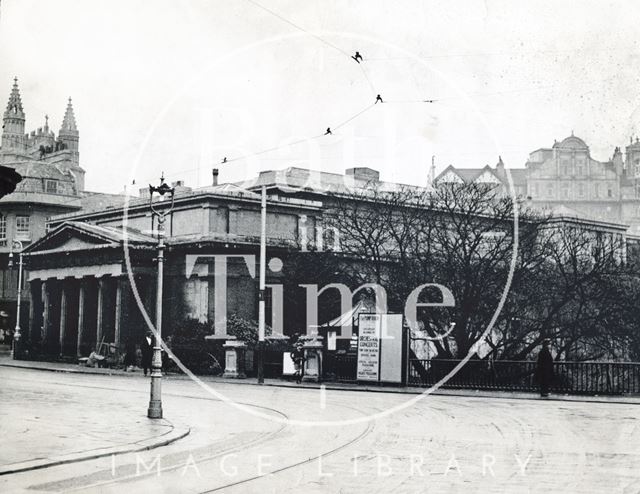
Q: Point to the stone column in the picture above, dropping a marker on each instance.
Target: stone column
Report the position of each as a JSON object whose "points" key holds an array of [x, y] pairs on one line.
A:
{"points": [[100, 304], [118, 317], [44, 335], [303, 234], [32, 311], [220, 298], [81, 299], [63, 316]]}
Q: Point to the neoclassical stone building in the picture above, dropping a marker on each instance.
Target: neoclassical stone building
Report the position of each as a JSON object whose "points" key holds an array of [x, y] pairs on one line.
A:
{"points": [[81, 272], [565, 178]]}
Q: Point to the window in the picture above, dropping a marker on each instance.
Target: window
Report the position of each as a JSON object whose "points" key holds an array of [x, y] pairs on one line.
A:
{"points": [[550, 190], [596, 190], [565, 190], [609, 192], [637, 163], [3, 229], [51, 186], [22, 228], [580, 190], [579, 169]]}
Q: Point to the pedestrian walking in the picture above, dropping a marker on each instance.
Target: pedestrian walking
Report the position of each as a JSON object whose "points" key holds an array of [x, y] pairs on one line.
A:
{"points": [[297, 355], [544, 370], [147, 344]]}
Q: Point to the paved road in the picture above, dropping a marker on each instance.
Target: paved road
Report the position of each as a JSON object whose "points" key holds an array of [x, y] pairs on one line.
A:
{"points": [[262, 442]]}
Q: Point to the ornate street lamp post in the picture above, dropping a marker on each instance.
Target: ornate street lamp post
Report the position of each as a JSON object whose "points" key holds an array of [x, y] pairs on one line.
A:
{"points": [[155, 398], [15, 349]]}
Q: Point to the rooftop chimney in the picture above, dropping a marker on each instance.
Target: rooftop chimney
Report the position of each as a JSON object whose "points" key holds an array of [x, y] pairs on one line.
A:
{"points": [[215, 176]]}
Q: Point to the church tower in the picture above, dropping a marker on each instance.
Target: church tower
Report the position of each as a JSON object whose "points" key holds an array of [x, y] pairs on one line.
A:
{"points": [[68, 139], [13, 138], [69, 134]]}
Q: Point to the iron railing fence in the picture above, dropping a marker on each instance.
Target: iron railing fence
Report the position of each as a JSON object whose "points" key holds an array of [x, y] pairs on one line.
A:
{"points": [[510, 375], [339, 367]]}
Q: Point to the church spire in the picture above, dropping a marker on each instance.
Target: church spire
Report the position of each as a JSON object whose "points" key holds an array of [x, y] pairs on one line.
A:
{"points": [[69, 135], [69, 122], [13, 121], [14, 106]]}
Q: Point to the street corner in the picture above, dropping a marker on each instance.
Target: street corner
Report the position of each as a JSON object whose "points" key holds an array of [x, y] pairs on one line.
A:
{"points": [[174, 433]]}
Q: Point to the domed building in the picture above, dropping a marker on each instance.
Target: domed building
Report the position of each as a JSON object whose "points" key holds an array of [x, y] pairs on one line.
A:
{"points": [[565, 179], [566, 175]]}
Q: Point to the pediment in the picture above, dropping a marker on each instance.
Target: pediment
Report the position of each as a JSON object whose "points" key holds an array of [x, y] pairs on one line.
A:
{"points": [[68, 237], [78, 243]]}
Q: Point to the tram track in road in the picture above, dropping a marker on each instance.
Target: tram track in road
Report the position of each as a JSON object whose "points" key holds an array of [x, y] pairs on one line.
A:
{"points": [[263, 439], [362, 435], [245, 447]]}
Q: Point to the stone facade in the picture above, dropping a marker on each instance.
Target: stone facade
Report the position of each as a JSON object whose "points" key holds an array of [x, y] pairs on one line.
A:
{"points": [[566, 179], [52, 184]]}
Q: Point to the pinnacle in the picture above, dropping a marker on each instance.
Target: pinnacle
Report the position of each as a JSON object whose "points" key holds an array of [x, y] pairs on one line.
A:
{"points": [[15, 102], [69, 121]]}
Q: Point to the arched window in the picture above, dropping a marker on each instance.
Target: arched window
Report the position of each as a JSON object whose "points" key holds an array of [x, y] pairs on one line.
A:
{"points": [[3, 229]]}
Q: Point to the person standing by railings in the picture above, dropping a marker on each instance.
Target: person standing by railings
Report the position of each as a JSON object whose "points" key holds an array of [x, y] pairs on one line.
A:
{"points": [[544, 370], [297, 355]]}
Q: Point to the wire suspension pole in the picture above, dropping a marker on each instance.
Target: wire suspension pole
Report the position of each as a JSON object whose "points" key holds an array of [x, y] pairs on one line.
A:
{"points": [[261, 301]]}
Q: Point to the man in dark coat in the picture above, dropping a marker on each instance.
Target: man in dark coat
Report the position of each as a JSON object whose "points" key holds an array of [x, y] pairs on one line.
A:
{"points": [[544, 371], [147, 344]]}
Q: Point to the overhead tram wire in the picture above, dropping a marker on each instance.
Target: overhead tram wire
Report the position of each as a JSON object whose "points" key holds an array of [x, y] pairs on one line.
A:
{"points": [[228, 159], [275, 148], [366, 76], [322, 40], [283, 19], [332, 129], [342, 124]]}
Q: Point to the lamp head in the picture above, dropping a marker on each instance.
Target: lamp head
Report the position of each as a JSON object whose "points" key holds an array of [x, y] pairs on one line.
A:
{"points": [[161, 189]]}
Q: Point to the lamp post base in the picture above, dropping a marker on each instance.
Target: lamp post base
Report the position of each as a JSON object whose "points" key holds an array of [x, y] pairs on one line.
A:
{"points": [[155, 410], [155, 401], [15, 346]]}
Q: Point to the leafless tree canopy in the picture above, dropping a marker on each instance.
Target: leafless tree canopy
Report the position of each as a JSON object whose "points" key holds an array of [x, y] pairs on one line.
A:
{"points": [[570, 282]]}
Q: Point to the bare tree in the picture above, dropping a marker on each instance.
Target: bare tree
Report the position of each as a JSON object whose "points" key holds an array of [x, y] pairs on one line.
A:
{"points": [[569, 281]]}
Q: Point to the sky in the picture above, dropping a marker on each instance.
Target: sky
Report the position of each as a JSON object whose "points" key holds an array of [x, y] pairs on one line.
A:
{"points": [[176, 86]]}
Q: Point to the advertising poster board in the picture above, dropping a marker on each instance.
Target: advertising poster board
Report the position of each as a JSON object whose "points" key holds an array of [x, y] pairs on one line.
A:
{"points": [[369, 347], [391, 348]]}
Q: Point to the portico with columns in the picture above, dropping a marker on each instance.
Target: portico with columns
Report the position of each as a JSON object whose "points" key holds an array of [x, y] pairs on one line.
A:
{"points": [[81, 291]]}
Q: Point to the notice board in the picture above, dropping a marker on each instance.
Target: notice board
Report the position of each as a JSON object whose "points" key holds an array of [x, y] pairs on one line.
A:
{"points": [[368, 347]]}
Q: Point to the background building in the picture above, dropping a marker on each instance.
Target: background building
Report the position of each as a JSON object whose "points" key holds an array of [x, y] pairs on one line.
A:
{"points": [[52, 184], [566, 179]]}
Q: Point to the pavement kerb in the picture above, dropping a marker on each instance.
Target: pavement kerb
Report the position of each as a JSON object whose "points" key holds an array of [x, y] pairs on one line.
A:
{"points": [[467, 393], [176, 433]]}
